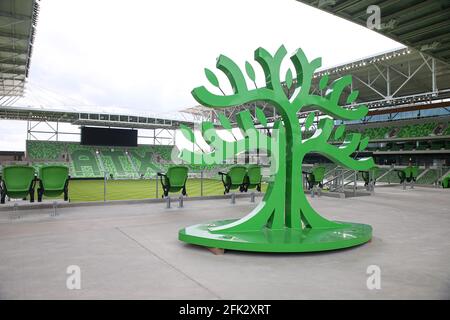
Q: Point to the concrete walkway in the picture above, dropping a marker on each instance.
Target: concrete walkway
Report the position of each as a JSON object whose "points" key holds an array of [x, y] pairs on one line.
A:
{"points": [[132, 252]]}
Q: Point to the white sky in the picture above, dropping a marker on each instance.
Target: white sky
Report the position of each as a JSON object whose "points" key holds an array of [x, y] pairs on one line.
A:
{"points": [[146, 56]]}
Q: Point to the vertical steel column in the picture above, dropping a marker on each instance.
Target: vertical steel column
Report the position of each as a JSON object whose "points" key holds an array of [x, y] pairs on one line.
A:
{"points": [[233, 198], [388, 81], [104, 187], [433, 75], [389, 174], [54, 212], [15, 214], [28, 130], [372, 179], [201, 183]]}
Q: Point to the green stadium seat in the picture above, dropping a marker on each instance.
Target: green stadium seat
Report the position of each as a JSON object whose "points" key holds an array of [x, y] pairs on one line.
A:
{"points": [[44, 150], [416, 130], [408, 174], [414, 173], [446, 182], [315, 177], [423, 145], [373, 172], [53, 181], [253, 178], [409, 146], [165, 152], [174, 180], [437, 145], [376, 133], [347, 131], [17, 182], [234, 178], [402, 174], [92, 162]]}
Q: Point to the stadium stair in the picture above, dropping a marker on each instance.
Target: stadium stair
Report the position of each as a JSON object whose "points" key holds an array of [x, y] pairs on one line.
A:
{"points": [[447, 131], [143, 159], [428, 177], [390, 176], [117, 164], [132, 165], [83, 161]]}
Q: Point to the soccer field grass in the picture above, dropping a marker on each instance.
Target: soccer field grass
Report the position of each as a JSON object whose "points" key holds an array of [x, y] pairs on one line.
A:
{"points": [[93, 190]]}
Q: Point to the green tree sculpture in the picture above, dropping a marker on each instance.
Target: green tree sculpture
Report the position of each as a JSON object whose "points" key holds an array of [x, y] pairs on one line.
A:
{"points": [[284, 221]]}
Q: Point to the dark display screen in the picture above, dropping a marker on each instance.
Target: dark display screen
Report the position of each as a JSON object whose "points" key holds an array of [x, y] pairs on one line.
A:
{"points": [[94, 136]]}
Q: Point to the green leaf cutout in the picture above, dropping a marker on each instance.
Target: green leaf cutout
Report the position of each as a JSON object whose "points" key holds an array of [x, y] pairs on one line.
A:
{"points": [[261, 117], [299, 79], [323, 82], [187, 132], [208, 132], [309, 120], [224, 121], [352, 97], [364, 143], [289, 78], [250, 71], [211, 77], [339, 132]]}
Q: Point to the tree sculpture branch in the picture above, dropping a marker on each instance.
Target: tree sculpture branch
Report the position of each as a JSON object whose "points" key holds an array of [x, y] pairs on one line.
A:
{"points": [[221, 149], [241, 94], [341, 154], [273, 91]]}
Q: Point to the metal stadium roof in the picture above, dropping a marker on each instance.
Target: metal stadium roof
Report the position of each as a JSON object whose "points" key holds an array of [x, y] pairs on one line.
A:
{"points": [[394, 78], [18, 20], [420, 24], [89, 118]]}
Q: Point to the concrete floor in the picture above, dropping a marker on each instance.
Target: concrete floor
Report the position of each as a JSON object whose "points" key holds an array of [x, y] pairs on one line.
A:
{"points": [[132, 252]]}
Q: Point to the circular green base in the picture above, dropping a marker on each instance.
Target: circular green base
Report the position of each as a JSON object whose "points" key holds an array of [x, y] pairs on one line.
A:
{"points": [[282, 240]]}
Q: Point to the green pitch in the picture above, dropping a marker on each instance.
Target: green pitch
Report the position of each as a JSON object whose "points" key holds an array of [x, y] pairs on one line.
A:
{"points": [[93, 190]]}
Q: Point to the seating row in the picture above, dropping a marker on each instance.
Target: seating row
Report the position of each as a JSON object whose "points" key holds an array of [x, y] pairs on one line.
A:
{"points": [[446, 182], [19, 182], [237, 177], [408, 174]]}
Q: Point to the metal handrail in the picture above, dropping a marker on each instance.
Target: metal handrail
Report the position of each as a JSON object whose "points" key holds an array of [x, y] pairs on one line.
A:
{"points": [[339, 175]]}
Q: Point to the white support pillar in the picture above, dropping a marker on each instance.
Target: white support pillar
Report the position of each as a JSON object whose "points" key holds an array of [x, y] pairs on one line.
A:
{"points": [[433, 75], [388, 81]]}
